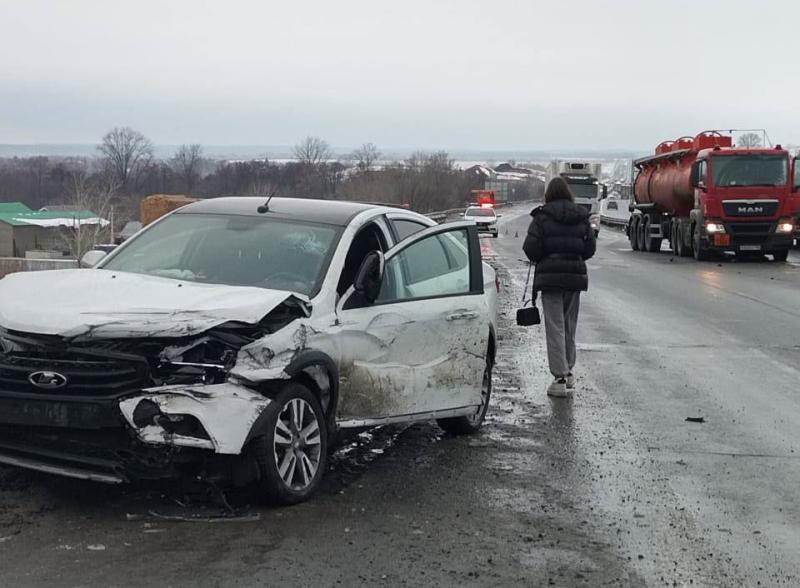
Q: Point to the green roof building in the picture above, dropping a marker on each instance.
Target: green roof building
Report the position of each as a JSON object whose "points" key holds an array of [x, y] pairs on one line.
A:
{"points": [[23, 229]]}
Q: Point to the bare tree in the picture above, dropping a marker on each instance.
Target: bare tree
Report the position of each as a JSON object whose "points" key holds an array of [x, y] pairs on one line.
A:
{"points": [[750, 140], [186, 163], [128, 152], [366, 156], [88, 194], [312, 151]]}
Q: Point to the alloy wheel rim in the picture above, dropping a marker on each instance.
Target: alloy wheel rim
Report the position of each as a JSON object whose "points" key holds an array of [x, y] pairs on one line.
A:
{"points": [[297, 444]]}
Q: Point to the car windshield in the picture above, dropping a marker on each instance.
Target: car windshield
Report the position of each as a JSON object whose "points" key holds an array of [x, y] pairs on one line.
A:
{"points": [[749, 170], [475, 211], [236, 250]]}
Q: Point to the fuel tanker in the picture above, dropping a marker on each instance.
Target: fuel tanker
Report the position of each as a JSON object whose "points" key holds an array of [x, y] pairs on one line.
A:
{"points": [[705, 196]]}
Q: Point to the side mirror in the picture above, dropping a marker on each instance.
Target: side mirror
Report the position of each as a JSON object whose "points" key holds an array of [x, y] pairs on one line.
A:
{"points": [[370, 276], [605, 192], [92, 258]]}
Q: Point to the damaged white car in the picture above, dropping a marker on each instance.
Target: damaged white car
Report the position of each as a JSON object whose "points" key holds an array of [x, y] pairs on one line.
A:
{"points": [[232, 341]]}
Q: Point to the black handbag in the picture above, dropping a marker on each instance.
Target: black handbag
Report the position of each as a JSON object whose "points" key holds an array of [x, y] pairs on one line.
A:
{"points": [[528, 316]]}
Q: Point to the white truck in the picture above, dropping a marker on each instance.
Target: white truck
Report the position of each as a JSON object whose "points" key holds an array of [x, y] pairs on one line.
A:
{"points": [[583, 178]]}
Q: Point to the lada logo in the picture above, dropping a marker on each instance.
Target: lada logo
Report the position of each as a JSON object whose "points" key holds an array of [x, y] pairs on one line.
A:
{"points": [[47, 380]]}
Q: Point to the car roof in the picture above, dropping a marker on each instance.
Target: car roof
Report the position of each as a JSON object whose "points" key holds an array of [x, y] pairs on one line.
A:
{"points": [[334, 212]]}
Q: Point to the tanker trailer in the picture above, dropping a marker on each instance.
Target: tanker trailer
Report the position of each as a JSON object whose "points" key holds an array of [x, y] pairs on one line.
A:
{"points": [[706, 196]]}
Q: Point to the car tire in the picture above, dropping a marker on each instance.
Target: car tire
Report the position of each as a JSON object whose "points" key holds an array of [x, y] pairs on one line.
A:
{"points": [[470, 424], [781, 255], [292, 432]]}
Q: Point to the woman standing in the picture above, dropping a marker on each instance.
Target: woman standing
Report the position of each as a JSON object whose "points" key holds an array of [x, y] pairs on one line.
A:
{"points": [[560, 240]]}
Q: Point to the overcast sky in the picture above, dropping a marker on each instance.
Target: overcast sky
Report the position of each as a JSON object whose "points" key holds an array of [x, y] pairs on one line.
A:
{"points": [[408, 73]]}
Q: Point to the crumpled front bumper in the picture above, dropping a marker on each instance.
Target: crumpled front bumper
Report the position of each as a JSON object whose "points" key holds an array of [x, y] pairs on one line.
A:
{"points": [[225, 414]]}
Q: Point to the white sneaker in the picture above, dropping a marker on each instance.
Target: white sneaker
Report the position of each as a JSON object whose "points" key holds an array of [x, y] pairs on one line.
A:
{"points": [[570, 381], [558, 389]]}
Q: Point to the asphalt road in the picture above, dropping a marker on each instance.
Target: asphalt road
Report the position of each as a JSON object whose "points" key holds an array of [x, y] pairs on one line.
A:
{"points": [[613, 487]]}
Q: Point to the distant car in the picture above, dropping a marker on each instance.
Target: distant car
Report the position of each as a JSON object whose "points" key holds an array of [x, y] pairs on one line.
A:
{"points": [[485, 219], [224, 342]]}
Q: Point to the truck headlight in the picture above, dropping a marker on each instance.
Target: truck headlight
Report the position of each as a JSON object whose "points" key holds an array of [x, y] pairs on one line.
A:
{"points": [[594, 221], [785, 226], [714, 228]]}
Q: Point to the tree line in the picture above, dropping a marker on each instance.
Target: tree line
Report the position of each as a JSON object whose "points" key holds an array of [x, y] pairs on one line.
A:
{"points": [[126, 169]]}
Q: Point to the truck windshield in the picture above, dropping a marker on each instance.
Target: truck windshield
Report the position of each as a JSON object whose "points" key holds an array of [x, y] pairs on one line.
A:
{"points": [[584, 190], [233, 250], [749, 170]]}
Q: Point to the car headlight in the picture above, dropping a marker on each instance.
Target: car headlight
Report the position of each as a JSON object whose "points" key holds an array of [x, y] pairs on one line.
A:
{"points": [[785, 226], [714, 228], [594, 221]]}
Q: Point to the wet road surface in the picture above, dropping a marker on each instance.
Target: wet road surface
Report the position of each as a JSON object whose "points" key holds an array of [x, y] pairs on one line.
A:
{"points": [[613, 487]]}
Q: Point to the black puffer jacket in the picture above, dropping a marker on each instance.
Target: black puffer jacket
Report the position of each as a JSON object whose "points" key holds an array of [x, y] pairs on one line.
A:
{"points": [[560, 240]]}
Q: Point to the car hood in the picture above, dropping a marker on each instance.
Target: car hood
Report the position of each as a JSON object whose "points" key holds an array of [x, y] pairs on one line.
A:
{"points": [[88, 304]]}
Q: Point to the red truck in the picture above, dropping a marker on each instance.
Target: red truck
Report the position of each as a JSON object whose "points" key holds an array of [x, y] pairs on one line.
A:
{"points": [[707, 196]]}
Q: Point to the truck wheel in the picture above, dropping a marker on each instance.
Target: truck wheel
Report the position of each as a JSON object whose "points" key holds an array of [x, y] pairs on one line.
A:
{"points": [[700, 252], [291, 447], [633, 233], [650, 244], [673, 238], [681, 250], [781, 255]]}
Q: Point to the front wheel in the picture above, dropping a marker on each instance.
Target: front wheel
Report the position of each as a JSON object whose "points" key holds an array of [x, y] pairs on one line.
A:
{"points": [[781, 255], [291, 447], [468, 424]]}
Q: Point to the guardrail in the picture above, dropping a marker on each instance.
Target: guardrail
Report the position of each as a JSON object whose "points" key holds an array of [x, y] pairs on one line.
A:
{"points": [[10, 265]]}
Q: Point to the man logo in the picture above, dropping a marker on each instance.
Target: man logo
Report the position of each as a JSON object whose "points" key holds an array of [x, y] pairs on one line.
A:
{"points": [[751, 210], [47, 380]]}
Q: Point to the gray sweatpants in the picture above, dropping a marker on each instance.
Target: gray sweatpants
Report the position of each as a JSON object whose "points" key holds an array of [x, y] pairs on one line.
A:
{"points": [[560, 320]]}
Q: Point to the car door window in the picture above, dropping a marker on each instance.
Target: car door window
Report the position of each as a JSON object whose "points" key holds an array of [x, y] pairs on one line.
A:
{"points": [[404, 228], [438, 265]]}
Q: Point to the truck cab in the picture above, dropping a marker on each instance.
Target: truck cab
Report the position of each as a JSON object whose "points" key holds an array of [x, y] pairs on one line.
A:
{"points": [[584, 183], [744, 200]]}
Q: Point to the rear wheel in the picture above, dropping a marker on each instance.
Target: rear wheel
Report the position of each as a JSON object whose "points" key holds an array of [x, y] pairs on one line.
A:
{"points": [[673, 238], [633, 233], [466, 425], [650, 244], [683, 249], [781, 255], [291, 447]]}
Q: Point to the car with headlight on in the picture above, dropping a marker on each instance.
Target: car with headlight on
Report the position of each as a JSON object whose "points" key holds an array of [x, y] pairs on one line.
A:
{"points": [[232, 341], [484, 217]]}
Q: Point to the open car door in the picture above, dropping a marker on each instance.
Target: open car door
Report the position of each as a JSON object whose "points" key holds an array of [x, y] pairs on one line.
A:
{"points": [[420, 348]]}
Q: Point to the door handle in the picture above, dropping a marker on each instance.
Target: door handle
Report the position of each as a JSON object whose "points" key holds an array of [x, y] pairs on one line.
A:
{"points": [[462, 316]]}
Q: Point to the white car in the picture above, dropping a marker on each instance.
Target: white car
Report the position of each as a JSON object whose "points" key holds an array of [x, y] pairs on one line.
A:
{"points": [[228, 339], [484, 217]]}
